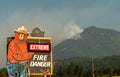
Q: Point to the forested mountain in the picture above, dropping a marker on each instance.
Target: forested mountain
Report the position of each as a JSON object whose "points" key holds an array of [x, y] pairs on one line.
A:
{"points": [[86, 62], [94, 42], [88, 66]]}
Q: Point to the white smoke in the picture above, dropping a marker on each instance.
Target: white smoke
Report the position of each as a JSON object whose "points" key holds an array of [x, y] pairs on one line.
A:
{"points": [[72, 30]]}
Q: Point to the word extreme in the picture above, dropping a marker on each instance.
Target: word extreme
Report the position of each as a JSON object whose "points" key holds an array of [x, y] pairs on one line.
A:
{"points": [[40, 47]]}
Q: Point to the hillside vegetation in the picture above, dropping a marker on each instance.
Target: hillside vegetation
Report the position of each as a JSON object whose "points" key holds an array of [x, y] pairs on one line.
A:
{"points": [[94, 42]]}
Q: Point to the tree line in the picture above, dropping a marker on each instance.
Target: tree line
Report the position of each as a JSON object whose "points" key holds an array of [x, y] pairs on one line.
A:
{"points": [[73, 70], [83, 67]]}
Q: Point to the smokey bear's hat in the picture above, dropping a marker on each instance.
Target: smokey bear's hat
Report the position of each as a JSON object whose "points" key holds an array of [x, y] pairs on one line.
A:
{"points": [[21, 29]]}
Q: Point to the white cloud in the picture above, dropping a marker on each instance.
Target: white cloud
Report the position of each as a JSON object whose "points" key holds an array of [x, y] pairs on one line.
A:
{"points": [[71, 30]]}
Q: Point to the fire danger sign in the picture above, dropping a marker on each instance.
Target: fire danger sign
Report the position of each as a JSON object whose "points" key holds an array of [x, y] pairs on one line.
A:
{"points": [[42, 58]]}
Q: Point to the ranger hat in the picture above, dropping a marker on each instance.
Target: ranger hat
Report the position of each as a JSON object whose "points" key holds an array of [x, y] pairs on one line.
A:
{"points": [[22, 29]]}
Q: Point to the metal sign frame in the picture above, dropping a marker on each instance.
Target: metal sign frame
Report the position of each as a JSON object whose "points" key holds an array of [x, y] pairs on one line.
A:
{"points": [[51, 55]]}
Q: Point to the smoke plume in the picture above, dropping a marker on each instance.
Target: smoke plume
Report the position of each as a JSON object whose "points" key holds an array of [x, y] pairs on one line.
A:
{"points": [[72, 30]]}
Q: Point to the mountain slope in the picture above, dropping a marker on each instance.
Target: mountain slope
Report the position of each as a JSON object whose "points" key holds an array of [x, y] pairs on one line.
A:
{"points": [[95, 42]]}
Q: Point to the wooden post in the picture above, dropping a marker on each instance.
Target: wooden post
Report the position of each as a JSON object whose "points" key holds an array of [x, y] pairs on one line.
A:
{"points": [[28, 70], [50, 75], [45, 73]]}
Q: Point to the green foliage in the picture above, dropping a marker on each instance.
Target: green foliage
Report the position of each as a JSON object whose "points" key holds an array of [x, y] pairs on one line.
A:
{"points": [[82, 67], [73, 70], [3, 72]]}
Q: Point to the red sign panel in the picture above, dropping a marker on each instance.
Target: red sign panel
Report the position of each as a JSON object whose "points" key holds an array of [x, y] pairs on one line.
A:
{"points": [[39, 47]]}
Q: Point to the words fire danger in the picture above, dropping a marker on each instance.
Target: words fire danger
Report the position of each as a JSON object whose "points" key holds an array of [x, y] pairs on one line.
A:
{"points": [[40, 61]]}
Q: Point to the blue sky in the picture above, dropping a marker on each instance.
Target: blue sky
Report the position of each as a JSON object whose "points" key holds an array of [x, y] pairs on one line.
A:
{"points": [[101, 13], [55, 16]]}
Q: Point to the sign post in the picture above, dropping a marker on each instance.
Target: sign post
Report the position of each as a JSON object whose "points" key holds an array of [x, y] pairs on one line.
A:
{"points": [[41, 64]]}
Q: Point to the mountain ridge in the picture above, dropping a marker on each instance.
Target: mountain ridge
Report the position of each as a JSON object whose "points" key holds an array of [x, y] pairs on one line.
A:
{"points": [[96, 42]]}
